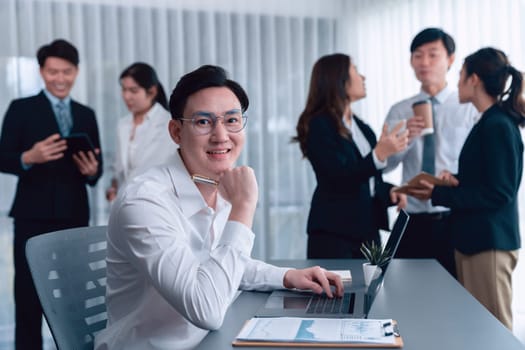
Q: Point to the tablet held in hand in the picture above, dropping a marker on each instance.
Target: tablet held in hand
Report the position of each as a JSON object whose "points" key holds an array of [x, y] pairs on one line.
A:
{"points": [[414, 183], [78, 142]]}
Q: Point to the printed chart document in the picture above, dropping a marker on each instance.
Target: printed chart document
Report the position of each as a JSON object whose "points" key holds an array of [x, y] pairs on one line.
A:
{"points": [[293, 331]]}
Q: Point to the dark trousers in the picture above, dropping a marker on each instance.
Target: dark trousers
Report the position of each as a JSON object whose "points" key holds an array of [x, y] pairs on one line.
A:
{"points": [[428, 237], [326, 245], [28, 311]]}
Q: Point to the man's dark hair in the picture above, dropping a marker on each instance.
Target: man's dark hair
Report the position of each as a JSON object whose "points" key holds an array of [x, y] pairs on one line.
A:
{"points": [[59, 48], [204, 77], [432, 34]]}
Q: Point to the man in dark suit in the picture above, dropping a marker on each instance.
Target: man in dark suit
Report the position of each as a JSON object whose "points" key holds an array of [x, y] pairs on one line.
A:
{"points": [[51, 191]]}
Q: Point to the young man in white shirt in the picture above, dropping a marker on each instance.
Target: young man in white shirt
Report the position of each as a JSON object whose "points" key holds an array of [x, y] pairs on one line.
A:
{"points": [[432, 54], [178, 248]]}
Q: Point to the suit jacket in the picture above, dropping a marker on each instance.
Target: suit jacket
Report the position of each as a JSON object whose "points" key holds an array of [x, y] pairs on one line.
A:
{"points": [[54, 190], [342, 202], [484, 207]]}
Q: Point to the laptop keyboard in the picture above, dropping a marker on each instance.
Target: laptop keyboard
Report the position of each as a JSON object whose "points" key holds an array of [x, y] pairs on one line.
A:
{"points": [[321, 304]]}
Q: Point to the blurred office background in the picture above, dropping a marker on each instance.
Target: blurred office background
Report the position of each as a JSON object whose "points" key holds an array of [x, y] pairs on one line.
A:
{"points": [[269, 47]]}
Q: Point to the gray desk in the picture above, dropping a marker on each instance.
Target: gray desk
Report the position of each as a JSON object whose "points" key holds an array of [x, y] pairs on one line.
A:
{"points": [[433, 310]]}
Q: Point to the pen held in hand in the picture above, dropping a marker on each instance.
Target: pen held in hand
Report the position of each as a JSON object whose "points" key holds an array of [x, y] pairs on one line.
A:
{"points": [[204, 180]]}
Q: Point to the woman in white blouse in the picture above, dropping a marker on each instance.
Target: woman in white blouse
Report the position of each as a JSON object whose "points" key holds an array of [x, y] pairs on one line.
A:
{"points": [[143, 140]]}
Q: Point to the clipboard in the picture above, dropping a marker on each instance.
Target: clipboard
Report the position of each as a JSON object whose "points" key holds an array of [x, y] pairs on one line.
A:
{"points": [[242, 343], [413, 183], [398, 342]]}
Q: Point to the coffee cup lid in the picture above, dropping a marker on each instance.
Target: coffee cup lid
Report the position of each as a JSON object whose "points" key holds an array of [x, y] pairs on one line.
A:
{"points": [[420, 102]]}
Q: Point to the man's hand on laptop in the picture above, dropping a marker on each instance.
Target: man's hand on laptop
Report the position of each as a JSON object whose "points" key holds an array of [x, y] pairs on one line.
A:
{"points": [[316, 279]]}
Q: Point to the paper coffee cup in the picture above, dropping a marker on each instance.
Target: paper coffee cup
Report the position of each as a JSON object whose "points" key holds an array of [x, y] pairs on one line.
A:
{"points": [[423, 108]]}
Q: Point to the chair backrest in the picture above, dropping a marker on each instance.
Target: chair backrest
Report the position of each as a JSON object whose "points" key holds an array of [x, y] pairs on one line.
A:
{"points": [[69, 272]]}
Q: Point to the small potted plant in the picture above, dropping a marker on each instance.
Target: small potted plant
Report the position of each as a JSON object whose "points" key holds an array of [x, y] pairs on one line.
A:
{"points": [[376, 258]]}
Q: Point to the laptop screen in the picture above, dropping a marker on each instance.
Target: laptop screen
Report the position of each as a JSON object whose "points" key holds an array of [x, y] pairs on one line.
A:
{"points": [[395, 236], [390, 247]]}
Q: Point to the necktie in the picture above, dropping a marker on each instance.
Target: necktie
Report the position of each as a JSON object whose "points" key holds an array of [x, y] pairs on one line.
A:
{"points": [[429, 148], [63, 118]]}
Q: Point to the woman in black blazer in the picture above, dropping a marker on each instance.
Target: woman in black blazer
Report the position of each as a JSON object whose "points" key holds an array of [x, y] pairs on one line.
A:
{"points": [[484, 200], [350, 200]]}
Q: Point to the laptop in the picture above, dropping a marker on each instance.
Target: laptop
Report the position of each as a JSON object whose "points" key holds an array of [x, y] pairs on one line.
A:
{"points": [[355, 303]]}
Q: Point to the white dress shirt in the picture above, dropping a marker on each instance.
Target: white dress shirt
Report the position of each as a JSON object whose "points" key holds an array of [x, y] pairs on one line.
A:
{"points": [[452, 124], [151, 145], [364, 148], [174, 264]]}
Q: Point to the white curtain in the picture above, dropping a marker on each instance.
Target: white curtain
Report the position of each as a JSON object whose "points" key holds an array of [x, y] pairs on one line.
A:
{"points": [[380, 32], [379, 35], [267, 46]]}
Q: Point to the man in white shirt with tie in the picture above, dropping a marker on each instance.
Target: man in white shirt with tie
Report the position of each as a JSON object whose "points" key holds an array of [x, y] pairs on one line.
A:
{"points": [[179, 235], [432, 54]]}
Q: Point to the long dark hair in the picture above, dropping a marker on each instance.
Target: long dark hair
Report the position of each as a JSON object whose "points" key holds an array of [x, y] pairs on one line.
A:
{"points": [[493, 69], [327, 95], [146, 77]]}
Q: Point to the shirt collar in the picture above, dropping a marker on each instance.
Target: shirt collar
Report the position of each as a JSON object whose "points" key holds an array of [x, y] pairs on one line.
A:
{"points": [[54, 100], [185, 189], [441, 96], [149, 115], [152, 111]]}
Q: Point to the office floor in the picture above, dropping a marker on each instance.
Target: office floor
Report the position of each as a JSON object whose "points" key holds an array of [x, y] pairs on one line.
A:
{"points": [[7, 307]]}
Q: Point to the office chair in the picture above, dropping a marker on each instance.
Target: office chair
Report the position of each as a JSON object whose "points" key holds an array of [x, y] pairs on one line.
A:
{"points": [[69, 272]]}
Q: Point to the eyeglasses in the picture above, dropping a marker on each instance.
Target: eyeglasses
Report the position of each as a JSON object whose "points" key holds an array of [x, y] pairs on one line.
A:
{"points": [[204, 122]]}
